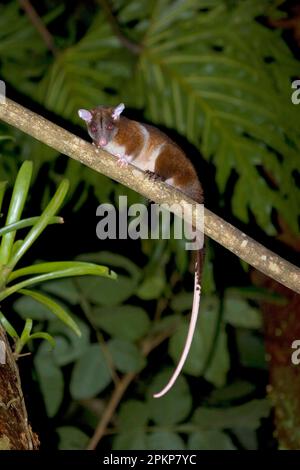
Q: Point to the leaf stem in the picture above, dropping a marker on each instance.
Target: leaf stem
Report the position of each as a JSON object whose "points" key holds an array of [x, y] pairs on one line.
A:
{"points": [[3, 185], [49, 276], [28, 223]]}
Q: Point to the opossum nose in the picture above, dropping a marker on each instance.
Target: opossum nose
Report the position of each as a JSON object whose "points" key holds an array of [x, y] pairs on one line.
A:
{"points": [[103, 142]]}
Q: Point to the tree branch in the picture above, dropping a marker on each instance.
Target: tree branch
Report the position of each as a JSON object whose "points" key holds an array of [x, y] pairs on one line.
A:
{"points": [[146, 347], [133, 47], [39, 25], [216, 228]]}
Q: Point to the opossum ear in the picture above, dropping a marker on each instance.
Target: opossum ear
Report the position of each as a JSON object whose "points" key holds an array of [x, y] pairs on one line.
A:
{"points": [[85, 115], [117, 111]]}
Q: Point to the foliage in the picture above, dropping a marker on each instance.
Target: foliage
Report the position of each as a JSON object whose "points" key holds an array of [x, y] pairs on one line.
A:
{"points": [[222, 77], [11, 252], [170, 422], [215, 74]]}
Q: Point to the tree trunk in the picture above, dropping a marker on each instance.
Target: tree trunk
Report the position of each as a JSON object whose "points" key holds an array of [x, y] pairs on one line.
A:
{"points": [[15, 432], [282, 327]]}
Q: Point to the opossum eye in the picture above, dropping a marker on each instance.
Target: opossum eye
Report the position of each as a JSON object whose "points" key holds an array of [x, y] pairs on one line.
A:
{"points": [[109, 127], [93, 128]]}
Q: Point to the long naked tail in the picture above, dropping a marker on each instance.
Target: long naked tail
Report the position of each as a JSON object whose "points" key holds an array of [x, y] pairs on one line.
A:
{"points": [[192, 325]]}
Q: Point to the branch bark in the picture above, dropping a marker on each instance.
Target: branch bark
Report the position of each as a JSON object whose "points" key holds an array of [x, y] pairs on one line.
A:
{"points": [[216, 228]]}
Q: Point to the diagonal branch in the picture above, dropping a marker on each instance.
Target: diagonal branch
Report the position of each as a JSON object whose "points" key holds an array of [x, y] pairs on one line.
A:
{"points": [[216, 228], [134, 47], [39, 25], [148, 345]]}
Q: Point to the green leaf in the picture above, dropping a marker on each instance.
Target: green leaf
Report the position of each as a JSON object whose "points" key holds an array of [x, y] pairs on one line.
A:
{"points": [[69, 271], [173, 407], [164, 440], [51, 379], [25, 336], [107, 294], [235, 391], [239, 313], [98, 59], [8, 326], [28, 307], [26, 331], [167, 323], [68, 346], [16, 206], [126, 356], [42, 222], [126, 322], [43, 335], [181, 255], [27, 223], [257, 294], [217, 371], [251, 350], [247, 416], [210, 440], [90, 375], [71, 438], [208, 281], [54, 307], [152, 287], [202, 74], [247, 437], [182, 301], [64, 288], [57, 269], [132, 439], [133, 414], [3, 185]]}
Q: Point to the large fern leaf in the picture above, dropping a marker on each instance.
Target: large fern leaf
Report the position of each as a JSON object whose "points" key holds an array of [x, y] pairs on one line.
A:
{"points": [[222, 79]]}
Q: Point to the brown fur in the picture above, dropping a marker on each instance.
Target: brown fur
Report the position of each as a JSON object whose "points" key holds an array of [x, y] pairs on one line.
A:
{"points": [[171, 161], [130, 135]]}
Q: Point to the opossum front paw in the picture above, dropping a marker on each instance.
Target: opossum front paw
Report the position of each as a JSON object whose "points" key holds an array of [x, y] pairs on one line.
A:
{"points": [[122, 161], [153, 176], [96, 147]]}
